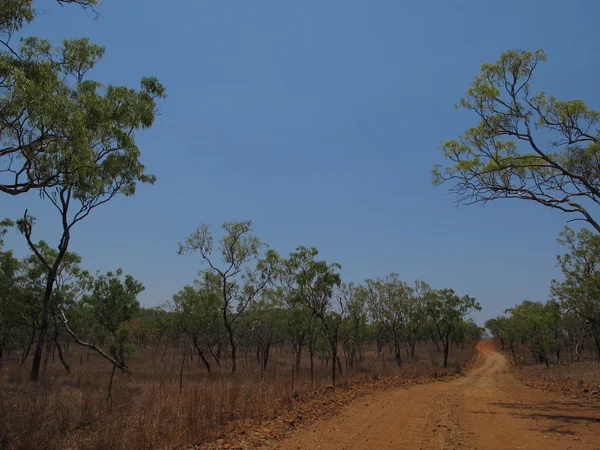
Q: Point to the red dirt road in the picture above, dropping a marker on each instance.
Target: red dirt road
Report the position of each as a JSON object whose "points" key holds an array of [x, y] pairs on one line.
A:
{"points": [[487, 409]]}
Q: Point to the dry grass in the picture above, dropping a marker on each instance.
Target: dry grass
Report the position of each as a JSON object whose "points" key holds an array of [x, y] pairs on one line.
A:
{"points": [[580, 380], [575, 376], [146, 408]]}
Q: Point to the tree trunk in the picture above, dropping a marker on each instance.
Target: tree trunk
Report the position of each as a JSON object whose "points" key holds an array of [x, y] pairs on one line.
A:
{"points": [[39, 348], [201, 354], [446, 344], [183, 358], [398, 354], [597, 341], [61, 356], [52, 274], [28, 348], [232, 344], [266, 356], [110, 383], [233, 357], [311, 351], [298, 357], [333, 364]]}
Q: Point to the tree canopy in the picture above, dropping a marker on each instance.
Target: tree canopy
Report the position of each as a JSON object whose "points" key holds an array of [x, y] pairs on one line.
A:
{"points": [[527, 144]]}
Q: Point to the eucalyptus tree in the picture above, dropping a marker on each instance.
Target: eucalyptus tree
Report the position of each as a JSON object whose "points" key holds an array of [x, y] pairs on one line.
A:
{"points": [[526, 145], [31, 140], [447, 310], [299, 328], [270, 318], [398, 309], [355, 325], [240, 269], [44, 316], [197, 314], [70, 138], [312, 284], [579, 291], [10, 308], [417, 313], [507, 329], [94, 157], [154, 328], [466, 331], [536, 322], [113, 302]]}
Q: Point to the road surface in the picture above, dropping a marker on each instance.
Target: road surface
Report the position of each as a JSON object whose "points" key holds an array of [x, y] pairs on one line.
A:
{"points": [[487, 409]]}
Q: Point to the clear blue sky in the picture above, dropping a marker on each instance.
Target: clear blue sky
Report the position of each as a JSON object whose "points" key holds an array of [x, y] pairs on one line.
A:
{"points": [[320, 121]]}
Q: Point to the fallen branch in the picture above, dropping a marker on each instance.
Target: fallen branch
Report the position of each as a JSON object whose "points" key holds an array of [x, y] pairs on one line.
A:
{"points": [[98, 350]]}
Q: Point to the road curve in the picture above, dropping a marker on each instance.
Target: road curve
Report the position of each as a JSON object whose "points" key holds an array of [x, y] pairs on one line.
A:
{"points": [[487, 409]]}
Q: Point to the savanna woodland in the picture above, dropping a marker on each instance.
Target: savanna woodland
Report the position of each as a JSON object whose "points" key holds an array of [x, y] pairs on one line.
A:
{"points": [[84, 365]]}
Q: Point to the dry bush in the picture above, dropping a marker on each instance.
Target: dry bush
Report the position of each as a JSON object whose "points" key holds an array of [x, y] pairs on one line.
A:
{"points": [[146, 408]]}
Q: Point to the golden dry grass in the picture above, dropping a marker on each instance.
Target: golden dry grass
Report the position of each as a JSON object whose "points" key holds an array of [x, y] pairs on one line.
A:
{"points": [[146, 409]]}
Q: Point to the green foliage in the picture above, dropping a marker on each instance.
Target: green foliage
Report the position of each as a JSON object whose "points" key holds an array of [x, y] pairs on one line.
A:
{"points": [[447, 311], [80, 133], [69, 137], [4, 226], [537, 324], [113, 304], [397, 308], [10, 298], [467, 331], [311, 282], [526, 145], [580, 289], [196, 310], [243, 273], [59, 128], [14, 14]]}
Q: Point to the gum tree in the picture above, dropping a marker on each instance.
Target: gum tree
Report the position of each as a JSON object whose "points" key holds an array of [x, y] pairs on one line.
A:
{"points": [[197, 314], [526, 145], [313, 284], [580, 289], [30, 96], [240, 269], [94, 156], [447, 310]]}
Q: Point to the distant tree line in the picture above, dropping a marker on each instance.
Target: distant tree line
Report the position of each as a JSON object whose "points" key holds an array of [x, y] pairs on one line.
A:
{"points": [[247, 300]]}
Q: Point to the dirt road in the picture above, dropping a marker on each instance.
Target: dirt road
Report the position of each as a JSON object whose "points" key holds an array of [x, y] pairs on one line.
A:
{"points": [[487, 409]]}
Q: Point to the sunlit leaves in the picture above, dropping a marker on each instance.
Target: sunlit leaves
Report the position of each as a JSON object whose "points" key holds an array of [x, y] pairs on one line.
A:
{"points": [[525, 145]]}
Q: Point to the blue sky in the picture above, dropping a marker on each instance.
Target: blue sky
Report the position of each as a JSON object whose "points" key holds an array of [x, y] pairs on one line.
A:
{"points": [[320, 121]]}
